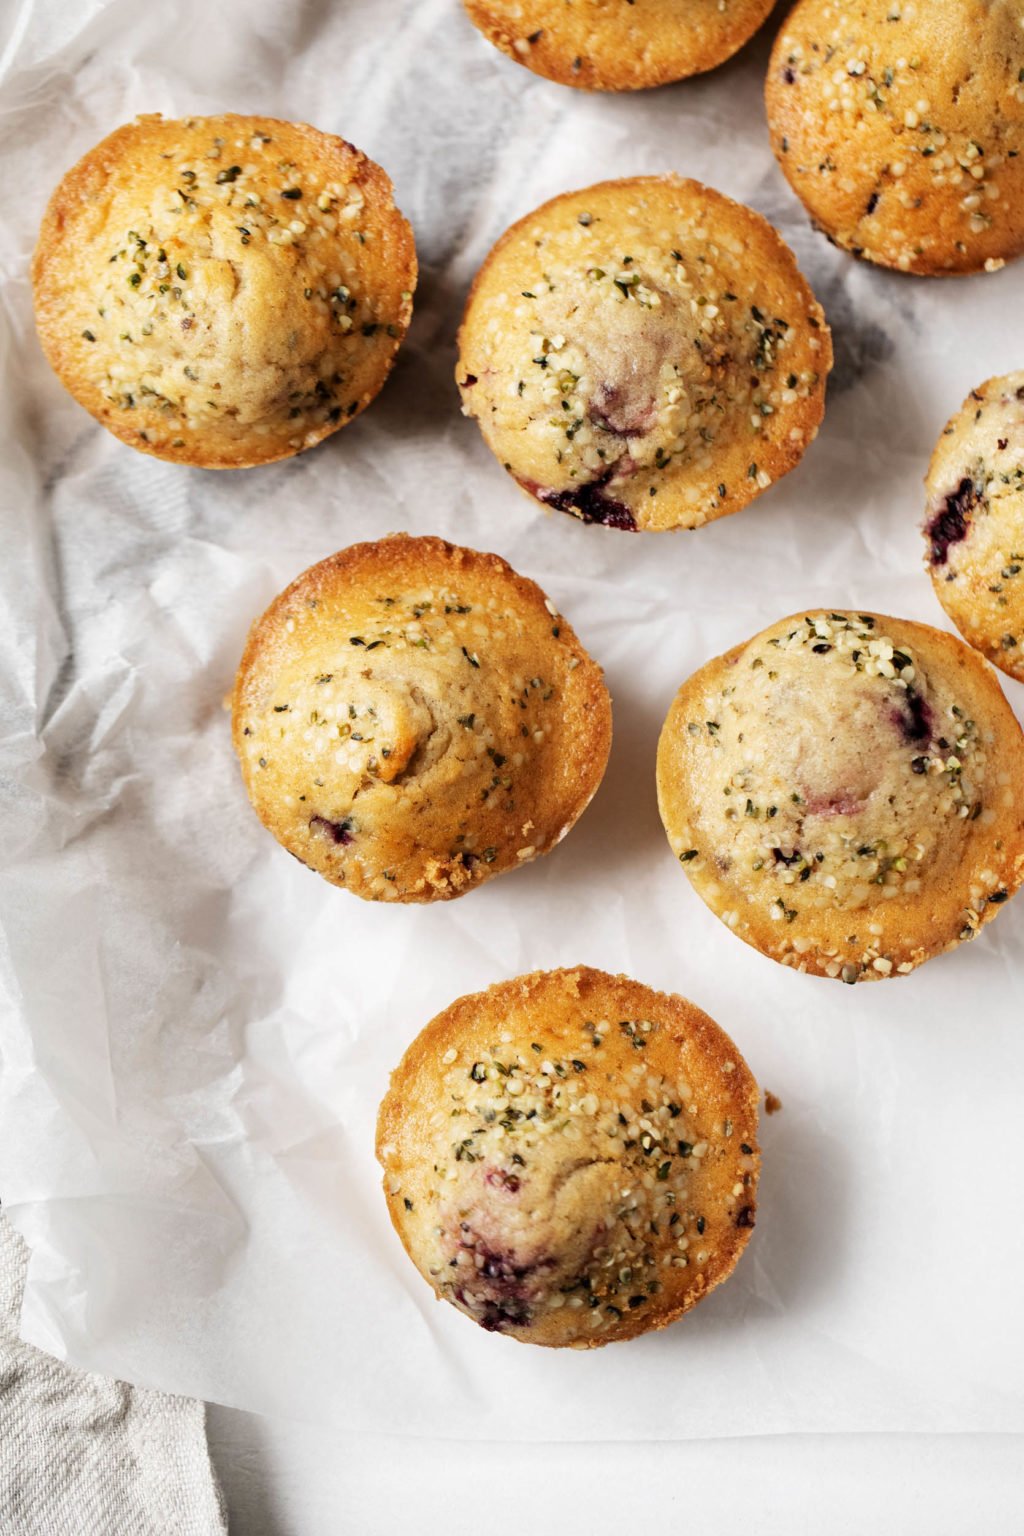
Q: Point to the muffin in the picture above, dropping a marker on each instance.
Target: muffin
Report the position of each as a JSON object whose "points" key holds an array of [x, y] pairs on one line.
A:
{"points": [[974, 525], [900, 125], [571, 1158], [223, 291], [604, 45], [644, 354], [846, 792], [412, 718]]}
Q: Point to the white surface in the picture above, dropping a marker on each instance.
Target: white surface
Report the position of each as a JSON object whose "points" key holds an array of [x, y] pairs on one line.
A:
{"points": [[282, 1481], [197, 1030]]}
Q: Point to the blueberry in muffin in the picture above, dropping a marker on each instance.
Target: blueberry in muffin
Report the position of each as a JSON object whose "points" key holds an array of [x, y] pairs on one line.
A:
{"points": [[571, 1158], [974, 522], [412, 718], [846, 792], [644, 354]]}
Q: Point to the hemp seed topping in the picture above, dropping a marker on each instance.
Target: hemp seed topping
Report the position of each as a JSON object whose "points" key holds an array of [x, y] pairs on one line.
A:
{"points": [[655, 366], [568, 1189], [621, 46], [901, 127], [408, 725], [859, 805], [230, 315]]}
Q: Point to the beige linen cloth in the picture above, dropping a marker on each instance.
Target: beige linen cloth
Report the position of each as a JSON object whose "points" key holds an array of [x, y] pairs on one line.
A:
{"points": [[83, 1455]]}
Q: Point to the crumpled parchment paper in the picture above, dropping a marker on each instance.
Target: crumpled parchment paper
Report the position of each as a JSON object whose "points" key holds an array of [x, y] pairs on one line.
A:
{"points": [[196, 1031]]}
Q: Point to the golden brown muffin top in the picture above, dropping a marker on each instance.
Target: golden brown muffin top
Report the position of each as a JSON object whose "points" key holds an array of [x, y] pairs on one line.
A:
{"points": [[223, 291], [618, 45], [974, 522], [570, 1157], [900, 123], [846, 791], [412, 718], [644, 354]]}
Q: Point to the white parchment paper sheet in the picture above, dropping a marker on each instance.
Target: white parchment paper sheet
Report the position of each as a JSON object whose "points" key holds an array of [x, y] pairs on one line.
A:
{"points": [[197, 1031]]}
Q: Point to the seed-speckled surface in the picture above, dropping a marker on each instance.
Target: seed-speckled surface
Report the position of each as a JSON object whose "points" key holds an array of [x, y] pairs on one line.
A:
{"points": [[900, 124], [846, 792], [412, 718], [223, 291], [618, 45], [974, 522], [570, 1157], [644, 354]]}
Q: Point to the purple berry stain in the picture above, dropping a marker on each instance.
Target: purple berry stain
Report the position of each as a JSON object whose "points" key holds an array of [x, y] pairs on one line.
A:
{"points": [[950, 525], [915, 719], [841, 802], [591, 505], [498, 1294], [587, 502], [338, 831], [498, 1314], [618, 410], [502, 1266], [500, 1178], [606, 425]]}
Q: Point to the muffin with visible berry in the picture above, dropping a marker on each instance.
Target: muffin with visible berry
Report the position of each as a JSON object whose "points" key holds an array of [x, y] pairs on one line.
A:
{"points": [[412, 718], [901, 128], [608, 45], [571, 1158], [846, 792], [223, 291], [974, 524], [644, 354]]}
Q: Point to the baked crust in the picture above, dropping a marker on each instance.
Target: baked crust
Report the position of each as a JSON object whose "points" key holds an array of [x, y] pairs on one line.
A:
{"points": [[644, 353], [846, 792], [604, 45], [223, 291], [901, 128], [570, 1157], [412, 718], [974, 521]]}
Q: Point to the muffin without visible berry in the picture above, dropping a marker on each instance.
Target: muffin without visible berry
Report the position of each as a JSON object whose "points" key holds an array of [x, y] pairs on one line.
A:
{"points": [[571, 1158], [900, 125], [846, 792], [412, 718], [974, 523], [618, 45], [644, 354], [223, 291]]}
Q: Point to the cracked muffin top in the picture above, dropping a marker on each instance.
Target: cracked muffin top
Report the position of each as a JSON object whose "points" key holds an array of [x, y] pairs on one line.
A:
{"points": [[644, 354], [900, 125], [618, 45], [223, 291], [570, 1157], [412, 718], [846, 792], [974, 523]]}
